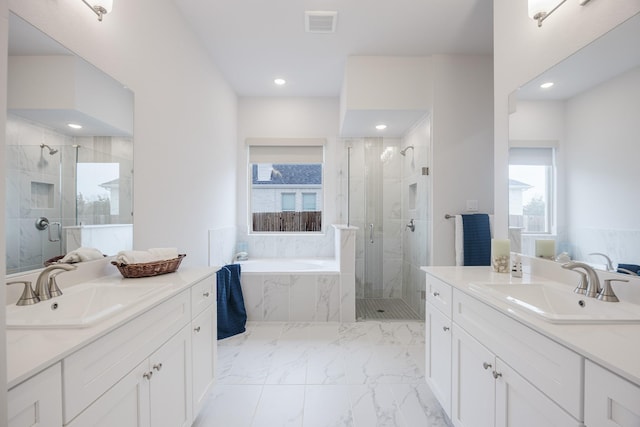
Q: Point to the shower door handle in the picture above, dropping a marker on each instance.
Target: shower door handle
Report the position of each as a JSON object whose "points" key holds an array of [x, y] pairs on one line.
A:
{"points": [[59, 232], [371, 232], [43, 223]]}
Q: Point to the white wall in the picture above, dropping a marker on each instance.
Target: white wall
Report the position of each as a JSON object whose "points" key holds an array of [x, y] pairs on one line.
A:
{"points": [[289, 118], [522, 51], [602, 169], [185, 115], [401, 83], [462, 145]]}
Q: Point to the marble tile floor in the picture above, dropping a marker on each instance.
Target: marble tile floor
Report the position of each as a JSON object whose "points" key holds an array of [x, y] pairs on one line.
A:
{"points": [[363, 374]]}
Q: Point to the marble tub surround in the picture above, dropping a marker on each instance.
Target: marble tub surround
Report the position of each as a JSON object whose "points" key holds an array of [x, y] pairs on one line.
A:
{"points": [[222, 245], [322, 293], [613, 346], [292, 297], [329, 374]]}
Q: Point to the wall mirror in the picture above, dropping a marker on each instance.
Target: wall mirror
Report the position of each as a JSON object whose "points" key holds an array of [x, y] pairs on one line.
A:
{"points": [[69, 153], [584, 131]]}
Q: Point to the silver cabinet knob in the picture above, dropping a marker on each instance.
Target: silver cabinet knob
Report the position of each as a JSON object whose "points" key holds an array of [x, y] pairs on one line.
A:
{"points": [[486, 365], [196, 329], [206, 294], [435, 294], [445, 328], [147, 375], [157, 366], [496, 375]]}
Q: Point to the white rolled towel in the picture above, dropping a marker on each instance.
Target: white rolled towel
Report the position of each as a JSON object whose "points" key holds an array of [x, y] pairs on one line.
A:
{"points": [[82, 254], [164, 253], [135, 257]]}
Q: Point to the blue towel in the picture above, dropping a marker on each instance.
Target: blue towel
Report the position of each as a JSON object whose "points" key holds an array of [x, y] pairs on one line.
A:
{"points": [[477, 239], [232, 315], [631, 267]]}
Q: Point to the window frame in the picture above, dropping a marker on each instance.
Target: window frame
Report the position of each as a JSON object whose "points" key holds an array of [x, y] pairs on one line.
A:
{"points": [[549, 162], [317, 146]]}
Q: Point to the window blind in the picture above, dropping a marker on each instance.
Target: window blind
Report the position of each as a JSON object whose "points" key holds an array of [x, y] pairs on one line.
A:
{"points": [[531, 156]]}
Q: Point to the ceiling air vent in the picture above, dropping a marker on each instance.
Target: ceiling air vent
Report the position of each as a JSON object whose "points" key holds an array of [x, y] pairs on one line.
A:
{"points": [[320, 21]]}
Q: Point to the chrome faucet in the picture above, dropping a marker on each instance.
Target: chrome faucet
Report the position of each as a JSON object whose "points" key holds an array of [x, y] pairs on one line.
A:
{"points": [[46, 286], [609, 263], [592, 288]]}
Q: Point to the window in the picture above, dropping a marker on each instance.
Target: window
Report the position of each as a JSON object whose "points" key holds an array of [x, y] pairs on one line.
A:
{"points": [[98, 192], [531, 189], [288, 202], [308, 201], [285, 186]]}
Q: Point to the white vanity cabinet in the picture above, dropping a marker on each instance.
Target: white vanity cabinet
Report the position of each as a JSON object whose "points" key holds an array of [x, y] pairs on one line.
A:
{"points": [[500, 372], [610, 401], [204, 333], [155, 393], [438, 341], [153, 370], [37, 401], [473, 403], [487, 392]]}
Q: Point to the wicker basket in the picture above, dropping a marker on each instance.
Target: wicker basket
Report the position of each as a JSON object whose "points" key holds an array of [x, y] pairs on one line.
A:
{"points": [[53, 260], [149, 269]]}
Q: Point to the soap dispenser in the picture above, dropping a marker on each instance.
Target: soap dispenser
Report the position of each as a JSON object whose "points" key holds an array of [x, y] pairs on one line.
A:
{"points": [[516, 267]]}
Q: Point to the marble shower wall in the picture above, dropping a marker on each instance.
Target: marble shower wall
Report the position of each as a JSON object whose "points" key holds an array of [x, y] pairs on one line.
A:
{"points": [[416, 199]]}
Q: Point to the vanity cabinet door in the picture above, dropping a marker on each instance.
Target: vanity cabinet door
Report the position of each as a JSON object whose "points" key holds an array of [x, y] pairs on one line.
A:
{"points": [[519, 404], [610, 401], [438, 355], [170, 384], [126, 404], [473, 384], [37, 401], [203, 355]]}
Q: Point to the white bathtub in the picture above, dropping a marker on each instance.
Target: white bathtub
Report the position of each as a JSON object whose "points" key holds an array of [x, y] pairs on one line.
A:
{"points": [[290, 265]]}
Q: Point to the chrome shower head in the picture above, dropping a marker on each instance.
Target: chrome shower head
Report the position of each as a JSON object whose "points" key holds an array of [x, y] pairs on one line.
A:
{"points": [[52, 151], [404, 152]]}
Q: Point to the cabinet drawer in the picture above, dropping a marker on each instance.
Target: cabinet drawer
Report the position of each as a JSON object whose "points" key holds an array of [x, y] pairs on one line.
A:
{"points": [[92, 370], [549, 366], [37, 401], [610, 401], [202, 295], [439, 294]]}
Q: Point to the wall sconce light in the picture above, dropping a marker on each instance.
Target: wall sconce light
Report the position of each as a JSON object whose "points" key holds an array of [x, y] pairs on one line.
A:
{"points": [[99, 7], [541, 9]]}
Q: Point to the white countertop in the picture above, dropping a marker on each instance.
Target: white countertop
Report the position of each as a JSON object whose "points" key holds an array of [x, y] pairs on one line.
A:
{"points": [[613, 346], [31, 350]]}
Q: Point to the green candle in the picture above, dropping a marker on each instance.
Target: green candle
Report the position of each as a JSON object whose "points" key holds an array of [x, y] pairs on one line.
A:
{"points": [[546, 249]]}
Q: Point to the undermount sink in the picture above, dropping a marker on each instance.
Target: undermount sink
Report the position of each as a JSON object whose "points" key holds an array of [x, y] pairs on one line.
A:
{"points": [[557, 303], [80, 306]]}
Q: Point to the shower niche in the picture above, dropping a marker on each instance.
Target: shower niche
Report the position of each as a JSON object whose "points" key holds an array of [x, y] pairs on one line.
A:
{"points": [[412, 196]]}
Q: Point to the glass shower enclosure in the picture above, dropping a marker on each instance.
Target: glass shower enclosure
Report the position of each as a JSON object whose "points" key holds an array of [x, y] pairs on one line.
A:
{"points": [[376, 208], [55, 182]]}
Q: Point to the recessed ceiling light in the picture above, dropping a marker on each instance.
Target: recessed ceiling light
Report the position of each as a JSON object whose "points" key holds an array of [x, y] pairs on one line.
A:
{"points": [[74, 126], [381, 127], [280, 82], [546, 85]]}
